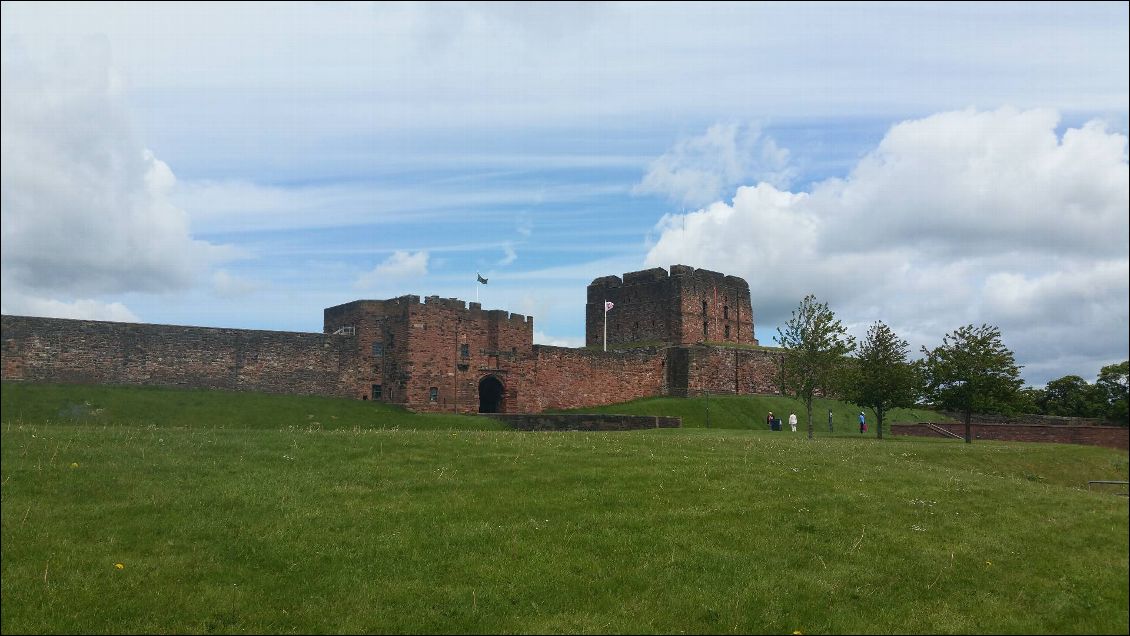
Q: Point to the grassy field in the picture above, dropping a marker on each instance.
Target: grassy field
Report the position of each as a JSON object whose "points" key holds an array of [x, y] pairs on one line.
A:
{"points": [[227, 523]]}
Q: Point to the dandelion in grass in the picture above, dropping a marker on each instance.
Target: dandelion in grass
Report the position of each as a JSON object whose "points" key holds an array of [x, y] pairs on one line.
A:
{"points": [[74, 464], [119, 566]]}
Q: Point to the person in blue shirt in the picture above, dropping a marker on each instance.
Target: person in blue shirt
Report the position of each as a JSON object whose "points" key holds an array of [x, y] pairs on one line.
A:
{"points": [[862, 423]]}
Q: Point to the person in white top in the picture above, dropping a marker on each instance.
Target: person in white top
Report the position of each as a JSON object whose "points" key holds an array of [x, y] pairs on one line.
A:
{"points": [[792, 421]]}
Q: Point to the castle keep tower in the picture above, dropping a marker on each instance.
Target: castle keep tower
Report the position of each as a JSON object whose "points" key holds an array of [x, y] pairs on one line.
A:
{"points": [[686, 306]]}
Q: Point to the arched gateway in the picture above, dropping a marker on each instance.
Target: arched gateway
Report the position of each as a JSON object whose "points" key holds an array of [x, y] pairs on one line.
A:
{"points": [[490, 395]]}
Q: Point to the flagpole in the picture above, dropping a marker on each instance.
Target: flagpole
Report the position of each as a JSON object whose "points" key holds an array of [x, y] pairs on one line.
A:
{"points": [[606, 325]]}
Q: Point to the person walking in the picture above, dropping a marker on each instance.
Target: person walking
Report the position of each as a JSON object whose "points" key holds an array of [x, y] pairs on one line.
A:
{"points": [[862, 423], [829, 420], [792, 421], [769, 420]]}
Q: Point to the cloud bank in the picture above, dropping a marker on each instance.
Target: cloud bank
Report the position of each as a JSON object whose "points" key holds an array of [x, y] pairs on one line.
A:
{"points": [[961, 217], [86, 207]]}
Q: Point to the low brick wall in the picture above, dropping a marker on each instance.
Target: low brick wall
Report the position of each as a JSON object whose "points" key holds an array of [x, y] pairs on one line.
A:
{"points": [[1108, 436], [585, 422]]}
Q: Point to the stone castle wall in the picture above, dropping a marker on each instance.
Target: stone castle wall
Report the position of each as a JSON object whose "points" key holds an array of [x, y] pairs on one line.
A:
{"points": [[436, 354], [730, 370], [97, 352], [566, 378]]}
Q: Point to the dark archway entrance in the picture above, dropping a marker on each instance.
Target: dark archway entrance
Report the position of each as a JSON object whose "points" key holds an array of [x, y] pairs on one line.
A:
{"points": [[490, 395]]}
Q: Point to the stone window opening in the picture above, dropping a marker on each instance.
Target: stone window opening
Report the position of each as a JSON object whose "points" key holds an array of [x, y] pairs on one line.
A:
{"points": [[378, 349], [727, 330], [704, 330], [704, 308], [464, 351], [725, 312], [433, 394], [376, 391]]}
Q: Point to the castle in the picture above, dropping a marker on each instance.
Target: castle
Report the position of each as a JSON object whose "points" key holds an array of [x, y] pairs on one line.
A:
{"points": [[683, 332]]}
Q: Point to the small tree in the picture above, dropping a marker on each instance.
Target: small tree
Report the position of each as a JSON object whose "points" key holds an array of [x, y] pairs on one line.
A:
{"points": [[884, 379], [971, 371], [816, 346], [1114, 380]]}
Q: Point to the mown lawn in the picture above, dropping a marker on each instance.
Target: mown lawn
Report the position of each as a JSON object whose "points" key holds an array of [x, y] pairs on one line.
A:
{"points": [[303, 529]]}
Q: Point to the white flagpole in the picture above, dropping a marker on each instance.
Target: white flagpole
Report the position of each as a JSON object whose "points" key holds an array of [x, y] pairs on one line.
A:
{"points": [[606, 325]]}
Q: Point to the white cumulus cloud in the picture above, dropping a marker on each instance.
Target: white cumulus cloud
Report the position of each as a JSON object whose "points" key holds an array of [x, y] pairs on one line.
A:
{"points": [[86, 207], [400, 265], [956, 218], [81, 309]]}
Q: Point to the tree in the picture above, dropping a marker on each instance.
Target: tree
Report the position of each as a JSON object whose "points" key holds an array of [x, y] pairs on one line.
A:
{"points": [[972, 371], [1114, 381], [816, 346], [883, 378], [1032, 400], [1072, 396]]}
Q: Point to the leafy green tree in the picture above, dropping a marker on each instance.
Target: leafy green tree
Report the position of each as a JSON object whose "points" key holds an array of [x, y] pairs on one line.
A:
{"points": [[1032, 399], [972, 371], [1114, 381], [882, 377], [816, 346], [1072, 396]]}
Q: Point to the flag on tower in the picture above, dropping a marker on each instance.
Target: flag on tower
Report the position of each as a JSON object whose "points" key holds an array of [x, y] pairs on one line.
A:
{"points": [[480, 278], [607, 305]]}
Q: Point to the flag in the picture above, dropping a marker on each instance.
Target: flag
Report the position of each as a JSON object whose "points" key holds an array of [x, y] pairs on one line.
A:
{"points": [[480, 278], [607, 305]]}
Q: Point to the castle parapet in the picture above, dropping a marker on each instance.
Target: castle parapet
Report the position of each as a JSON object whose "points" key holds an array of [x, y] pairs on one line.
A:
{"points": [[646, 276], [682, 305]]}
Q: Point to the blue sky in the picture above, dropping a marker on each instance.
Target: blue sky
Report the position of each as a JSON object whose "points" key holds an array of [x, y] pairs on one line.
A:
{"points": [[246, 165]]}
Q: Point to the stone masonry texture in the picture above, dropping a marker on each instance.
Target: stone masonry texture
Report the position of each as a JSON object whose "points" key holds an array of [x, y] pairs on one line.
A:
{"points": [[684, 306], [687, 332], [96, 352]]}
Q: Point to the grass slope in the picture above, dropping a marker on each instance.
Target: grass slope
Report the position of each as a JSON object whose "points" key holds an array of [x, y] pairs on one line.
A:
{"points": [[299, 529], [748, 412], [196, 408]]}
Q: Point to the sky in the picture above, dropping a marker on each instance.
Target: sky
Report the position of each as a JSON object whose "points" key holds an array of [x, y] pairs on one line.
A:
{"points": [[247, 165]]}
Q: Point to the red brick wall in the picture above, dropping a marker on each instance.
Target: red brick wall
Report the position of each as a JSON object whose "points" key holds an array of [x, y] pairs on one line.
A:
{"points": [[564, 378], [732, 370], [97, 352], [1109, 436], [419, 347]]}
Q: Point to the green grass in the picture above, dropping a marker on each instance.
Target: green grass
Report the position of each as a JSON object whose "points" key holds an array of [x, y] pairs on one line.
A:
{"points": [[302, 529], [748, 413], [194, 408]]}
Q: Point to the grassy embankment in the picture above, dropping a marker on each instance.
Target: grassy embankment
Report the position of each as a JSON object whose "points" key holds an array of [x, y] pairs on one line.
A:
{"points": [[334, 516]]}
